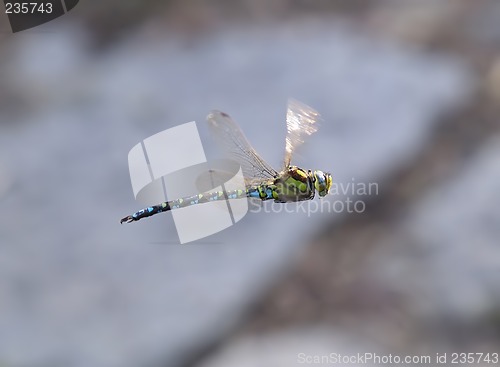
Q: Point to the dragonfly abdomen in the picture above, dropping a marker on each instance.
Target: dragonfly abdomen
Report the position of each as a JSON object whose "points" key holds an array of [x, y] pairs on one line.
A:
{"points": [[184, 202]]}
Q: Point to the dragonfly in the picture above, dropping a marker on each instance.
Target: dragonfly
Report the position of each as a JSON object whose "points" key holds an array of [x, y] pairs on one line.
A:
{"points": [[262, 182]]}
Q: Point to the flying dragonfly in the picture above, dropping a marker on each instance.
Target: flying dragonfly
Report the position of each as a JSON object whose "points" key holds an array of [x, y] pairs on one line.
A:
{"points": [[290, 184]]}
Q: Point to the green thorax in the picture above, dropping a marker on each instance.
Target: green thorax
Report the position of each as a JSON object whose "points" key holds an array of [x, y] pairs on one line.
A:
{"points": [[292, 184]]}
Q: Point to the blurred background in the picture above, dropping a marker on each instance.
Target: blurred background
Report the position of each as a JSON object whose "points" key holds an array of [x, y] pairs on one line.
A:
{"points": [[409, 94]]}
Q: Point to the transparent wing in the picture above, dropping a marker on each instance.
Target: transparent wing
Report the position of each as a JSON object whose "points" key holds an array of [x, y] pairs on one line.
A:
{"points": [[228, 135], [220, 172], [301, 121]]}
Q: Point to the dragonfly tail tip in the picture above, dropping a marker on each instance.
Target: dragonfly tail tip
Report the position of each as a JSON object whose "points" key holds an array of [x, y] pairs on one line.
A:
{"points": [[127, 219]]}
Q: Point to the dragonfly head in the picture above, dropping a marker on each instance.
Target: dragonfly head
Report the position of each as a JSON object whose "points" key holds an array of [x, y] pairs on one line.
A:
{"points": [[322, 182]]}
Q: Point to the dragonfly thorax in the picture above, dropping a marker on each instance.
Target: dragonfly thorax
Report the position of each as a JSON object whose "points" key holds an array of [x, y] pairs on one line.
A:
{"points": [[293, 184]]}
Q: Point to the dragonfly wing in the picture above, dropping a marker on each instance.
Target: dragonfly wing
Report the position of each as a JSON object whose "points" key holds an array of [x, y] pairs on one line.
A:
{"points": [[227, 134], [301, 121], [212, 178]]}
